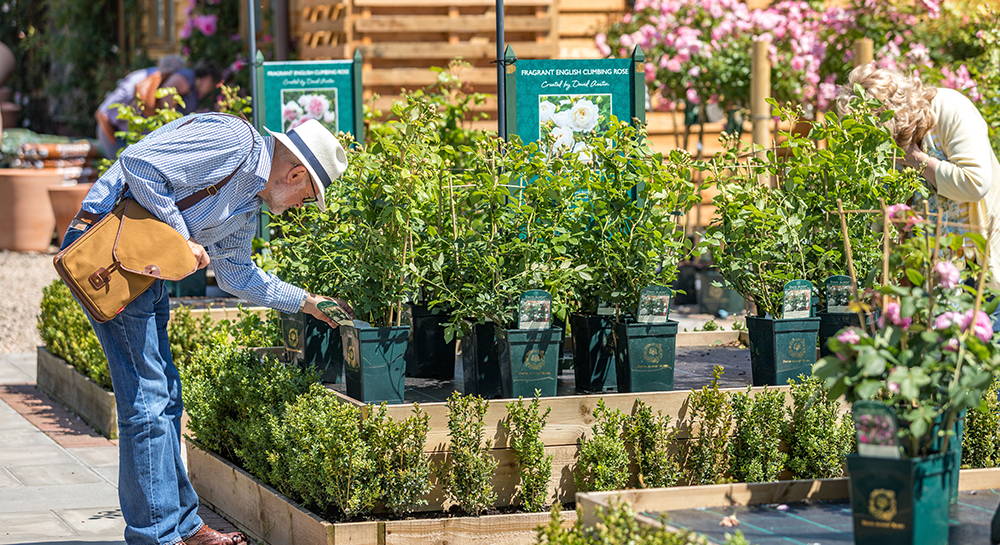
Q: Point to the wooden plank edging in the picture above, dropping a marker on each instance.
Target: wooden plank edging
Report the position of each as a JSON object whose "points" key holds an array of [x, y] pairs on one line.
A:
{"points": [[68, 386], [725, 495], [267, 515]]}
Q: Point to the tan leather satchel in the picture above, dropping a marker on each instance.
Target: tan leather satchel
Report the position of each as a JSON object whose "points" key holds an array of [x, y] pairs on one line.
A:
{"points": [[120, 257]]}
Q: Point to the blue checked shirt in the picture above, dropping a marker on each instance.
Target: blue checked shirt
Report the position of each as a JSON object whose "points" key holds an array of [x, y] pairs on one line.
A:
{"points": [[175, 161]]}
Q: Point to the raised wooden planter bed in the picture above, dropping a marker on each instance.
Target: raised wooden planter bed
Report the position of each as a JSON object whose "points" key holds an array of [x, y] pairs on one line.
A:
{"points": [[647, 504], [267, 515], [571, 418], [77, 392]]}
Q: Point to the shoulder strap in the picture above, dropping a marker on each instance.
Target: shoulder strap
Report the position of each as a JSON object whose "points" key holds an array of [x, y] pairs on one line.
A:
{"points": [[201, 194]]}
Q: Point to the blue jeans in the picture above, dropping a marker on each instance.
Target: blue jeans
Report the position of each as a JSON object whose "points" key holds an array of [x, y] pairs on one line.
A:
{"points": [[158, 503]]}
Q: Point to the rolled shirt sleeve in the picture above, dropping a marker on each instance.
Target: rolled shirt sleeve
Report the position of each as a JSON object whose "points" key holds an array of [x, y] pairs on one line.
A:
{"points": [[237, 274], [967, 174]]}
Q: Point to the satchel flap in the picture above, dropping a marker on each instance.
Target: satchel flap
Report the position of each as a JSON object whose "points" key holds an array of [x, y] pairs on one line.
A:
{"points": [[150, 247]]}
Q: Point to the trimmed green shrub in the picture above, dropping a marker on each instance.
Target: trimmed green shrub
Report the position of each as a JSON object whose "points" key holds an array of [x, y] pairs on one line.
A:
{"points": [[329, 463], [67, 333], [403, 466], [230, 394], [650, 438], [187, 334], [524, 426], [468, 481], [602, 461], [755, 453], [818, 437], [706, 457], [980, 444]]}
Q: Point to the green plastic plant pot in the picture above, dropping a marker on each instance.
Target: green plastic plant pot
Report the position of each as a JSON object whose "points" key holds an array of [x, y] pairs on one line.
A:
{"points": [[593, 353], [311, 342], [529, 361], [193, 285], [900, 502], [646, 356], [430, 356], [478, 363], [375, 362], [954, 447], [781, 349], [830, 323], [712, 299]]}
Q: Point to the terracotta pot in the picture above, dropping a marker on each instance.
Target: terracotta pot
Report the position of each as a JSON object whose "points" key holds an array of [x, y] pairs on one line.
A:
{"points": [[26, 220], [66, 200]]}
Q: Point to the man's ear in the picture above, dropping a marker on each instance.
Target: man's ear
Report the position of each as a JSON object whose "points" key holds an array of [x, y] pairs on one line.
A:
{"points": [[296, 175]]}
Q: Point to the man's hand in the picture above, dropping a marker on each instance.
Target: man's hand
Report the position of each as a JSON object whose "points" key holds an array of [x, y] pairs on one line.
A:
{"points": [[309, 306], [199, 253]]}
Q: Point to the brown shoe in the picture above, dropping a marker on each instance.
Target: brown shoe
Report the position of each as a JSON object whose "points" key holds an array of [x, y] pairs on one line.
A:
{"points": [[208, 536]]}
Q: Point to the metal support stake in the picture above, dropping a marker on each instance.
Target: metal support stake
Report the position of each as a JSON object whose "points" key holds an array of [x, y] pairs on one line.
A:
{"points": [[501, 74], [252, 59]]}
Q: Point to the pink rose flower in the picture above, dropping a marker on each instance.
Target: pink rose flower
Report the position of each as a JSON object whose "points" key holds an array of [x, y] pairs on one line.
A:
{"points": [[692, 96], [947, 273], [849, 336], [896, 211], [947, 319], [185, 32], [894, 387], [891, 314], [982, 326], [206, 24]]}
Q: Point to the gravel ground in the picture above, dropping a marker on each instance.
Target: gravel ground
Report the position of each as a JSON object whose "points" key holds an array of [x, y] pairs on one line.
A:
{"points": [[22, 277]]}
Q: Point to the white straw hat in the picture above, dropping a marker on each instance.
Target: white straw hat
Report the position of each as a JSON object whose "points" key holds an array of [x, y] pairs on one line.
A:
{"points": [[320, 152]]}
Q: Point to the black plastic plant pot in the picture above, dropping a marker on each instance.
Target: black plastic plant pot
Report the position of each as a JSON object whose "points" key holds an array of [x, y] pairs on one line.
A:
{"points": [[900, 502], [684, 287], [593, 353], [311, 342], [375, 362], [477, 363], [430, 356], [646, 356], [529, 362], [830, 323], [712, 298], [781, 349], [194, 285]]}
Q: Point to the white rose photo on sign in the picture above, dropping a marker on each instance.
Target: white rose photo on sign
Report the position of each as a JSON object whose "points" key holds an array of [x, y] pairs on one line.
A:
{"points": [[565, 122], [300, 105]]}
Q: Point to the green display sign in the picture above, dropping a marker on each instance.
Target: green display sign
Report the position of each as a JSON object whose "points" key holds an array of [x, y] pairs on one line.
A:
{"points": [[559, 102], [327, 91], [797, 302]]}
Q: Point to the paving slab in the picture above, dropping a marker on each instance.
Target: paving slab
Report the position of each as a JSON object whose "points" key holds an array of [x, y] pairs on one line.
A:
{"points": [[96, 456], [22, 527], [33, 499], [7, 480], [54, 474], [12, 456], [98, 521]]}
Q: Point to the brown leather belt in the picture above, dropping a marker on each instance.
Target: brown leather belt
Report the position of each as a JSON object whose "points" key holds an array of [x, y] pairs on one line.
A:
{"points": [[84, 219]]}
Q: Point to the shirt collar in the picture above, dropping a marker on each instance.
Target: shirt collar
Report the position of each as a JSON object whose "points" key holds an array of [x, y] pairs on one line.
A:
{"points": [[264, 161]]}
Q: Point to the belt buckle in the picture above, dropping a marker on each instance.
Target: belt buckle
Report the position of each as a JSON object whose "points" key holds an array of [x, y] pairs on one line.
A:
{"points": [[80, 224]]}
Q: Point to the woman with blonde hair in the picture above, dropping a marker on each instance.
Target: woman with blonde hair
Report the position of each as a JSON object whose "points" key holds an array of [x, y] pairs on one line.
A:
{"points": [[944, 137]]}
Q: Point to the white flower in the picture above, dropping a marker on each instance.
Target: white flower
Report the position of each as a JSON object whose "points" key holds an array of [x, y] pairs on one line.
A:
{"points": [[562, 119], [562, 140], [315, 105], [584, 116], [290, 111], [545, 111], [329, 117], [582, 152]]}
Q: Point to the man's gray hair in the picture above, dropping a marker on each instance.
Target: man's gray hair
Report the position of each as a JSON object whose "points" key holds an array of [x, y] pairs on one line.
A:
{"points": [[170, 64]]}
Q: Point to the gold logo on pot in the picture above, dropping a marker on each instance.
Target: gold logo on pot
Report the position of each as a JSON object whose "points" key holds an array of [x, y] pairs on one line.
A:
{"points": [[797, 348], [882, 504], [534, 359], [652, 353], [293, 338], [351, 356]]}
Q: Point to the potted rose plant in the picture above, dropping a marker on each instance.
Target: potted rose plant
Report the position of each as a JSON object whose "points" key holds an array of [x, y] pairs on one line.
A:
{"points": [[630, 240], [929, 357]]}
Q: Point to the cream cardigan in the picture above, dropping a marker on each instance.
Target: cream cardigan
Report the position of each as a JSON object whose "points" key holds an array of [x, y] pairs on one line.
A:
{"points": [[970, 173]]}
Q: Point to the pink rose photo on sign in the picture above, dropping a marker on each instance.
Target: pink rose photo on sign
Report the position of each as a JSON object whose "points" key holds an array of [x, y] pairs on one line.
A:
{"points": [[301, 105]]}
